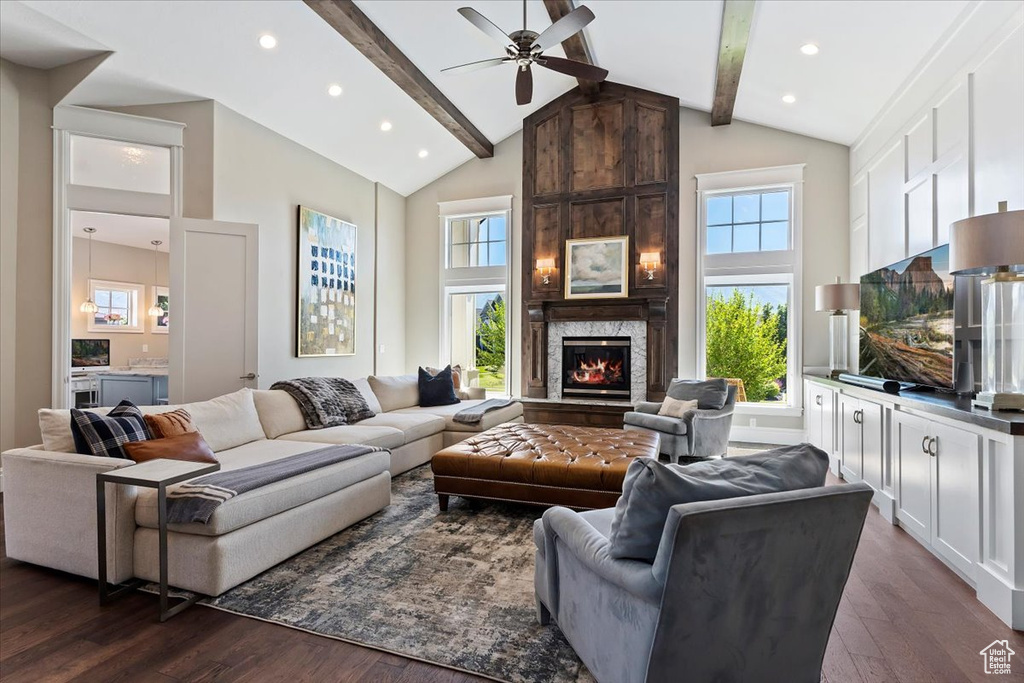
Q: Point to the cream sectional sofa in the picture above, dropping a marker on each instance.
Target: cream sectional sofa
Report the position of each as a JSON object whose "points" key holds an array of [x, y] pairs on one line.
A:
{"points": [[50, 491]]}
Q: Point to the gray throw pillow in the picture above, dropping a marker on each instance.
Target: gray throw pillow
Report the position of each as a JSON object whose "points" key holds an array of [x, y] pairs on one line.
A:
{"points": [[650, 489], [710, 394]]}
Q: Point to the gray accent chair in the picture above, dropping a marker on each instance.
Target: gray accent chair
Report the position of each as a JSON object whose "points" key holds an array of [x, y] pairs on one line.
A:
{"points": [[698, 434], [742, 589]]}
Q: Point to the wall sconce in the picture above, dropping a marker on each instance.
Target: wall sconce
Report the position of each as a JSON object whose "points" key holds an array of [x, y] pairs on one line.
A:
{"points": [[649, 261], [545, 266]]}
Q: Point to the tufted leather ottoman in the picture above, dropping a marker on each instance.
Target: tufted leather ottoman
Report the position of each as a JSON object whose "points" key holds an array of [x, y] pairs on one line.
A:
{"points": [[579, 467]]}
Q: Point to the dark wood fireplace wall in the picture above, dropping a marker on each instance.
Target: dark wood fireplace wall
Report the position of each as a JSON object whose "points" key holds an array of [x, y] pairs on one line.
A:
{"points": [[602, 166]]}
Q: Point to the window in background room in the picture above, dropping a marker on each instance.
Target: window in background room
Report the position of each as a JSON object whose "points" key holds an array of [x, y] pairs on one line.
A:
{"points": [[117, 306], [749, 284], [474, 296]]}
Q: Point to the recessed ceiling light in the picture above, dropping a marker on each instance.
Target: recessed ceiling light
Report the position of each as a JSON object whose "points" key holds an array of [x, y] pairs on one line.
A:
{"points": [[334, 90], [423, 154], [789, 99], [809, 49], [268, 42], [385, 126]]}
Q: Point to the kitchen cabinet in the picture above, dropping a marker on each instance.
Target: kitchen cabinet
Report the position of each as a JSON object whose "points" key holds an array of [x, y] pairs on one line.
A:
{"points": [[861, 446], [819, 405], [142, 390]]}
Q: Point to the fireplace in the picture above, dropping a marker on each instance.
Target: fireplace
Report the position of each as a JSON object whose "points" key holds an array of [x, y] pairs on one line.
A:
{"points": [[596, 367]]}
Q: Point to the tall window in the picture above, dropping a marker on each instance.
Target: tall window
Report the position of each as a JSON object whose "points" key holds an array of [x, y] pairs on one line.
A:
{"points": [[749, 284], [474, 331]]}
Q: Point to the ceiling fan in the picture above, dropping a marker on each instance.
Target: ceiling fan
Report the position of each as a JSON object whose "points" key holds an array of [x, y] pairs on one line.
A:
{"points": [[525, 48]]}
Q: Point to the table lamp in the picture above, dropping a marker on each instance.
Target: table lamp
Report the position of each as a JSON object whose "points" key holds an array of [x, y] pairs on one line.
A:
{"points": [[992, 246], [838, 298]]}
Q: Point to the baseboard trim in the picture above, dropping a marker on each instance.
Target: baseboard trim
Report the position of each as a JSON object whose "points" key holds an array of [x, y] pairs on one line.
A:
{"points": [[772, 435]]}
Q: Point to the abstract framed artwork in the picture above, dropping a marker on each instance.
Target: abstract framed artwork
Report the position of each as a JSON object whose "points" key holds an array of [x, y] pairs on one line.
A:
{"points": [[326, 285], [597, 268], [162, 297]]}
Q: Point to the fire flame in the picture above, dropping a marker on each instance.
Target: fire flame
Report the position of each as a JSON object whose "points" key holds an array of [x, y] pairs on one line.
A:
{"points": [[598, 372]]}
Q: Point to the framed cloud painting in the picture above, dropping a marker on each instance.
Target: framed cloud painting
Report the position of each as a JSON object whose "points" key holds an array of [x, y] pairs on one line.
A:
{"points": [[327, 285], [597, 268]]}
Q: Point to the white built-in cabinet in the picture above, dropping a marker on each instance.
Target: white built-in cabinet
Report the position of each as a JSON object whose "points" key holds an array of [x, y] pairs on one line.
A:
{"points": [[950, 479]]}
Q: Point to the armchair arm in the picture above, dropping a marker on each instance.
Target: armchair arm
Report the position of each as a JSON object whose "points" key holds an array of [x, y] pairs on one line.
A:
{"points": [[647, 407], [708, 431], [50, 512], [590, 547]]}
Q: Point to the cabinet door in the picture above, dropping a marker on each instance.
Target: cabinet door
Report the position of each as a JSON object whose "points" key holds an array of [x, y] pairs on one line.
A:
{"points": [[850, 438], [956, 480], [812, 404], [872, 448], [138, 390], [913, 474], [828, 422]]}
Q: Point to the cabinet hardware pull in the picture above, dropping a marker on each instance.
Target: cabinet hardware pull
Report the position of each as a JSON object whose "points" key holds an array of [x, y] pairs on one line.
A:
{"points": [[933, 446], [924, 445], [817, 400]]}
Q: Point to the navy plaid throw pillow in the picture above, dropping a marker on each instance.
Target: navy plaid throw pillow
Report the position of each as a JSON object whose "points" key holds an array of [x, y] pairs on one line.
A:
{"points": [[104, 435]]}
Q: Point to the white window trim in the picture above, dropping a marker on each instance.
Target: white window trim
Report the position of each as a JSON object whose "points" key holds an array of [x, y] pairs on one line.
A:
{"points": [[475, 279], [754, 267], [138, 293]]}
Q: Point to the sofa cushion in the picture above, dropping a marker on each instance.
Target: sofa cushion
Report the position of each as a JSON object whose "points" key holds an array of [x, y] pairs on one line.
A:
{"points": [[172, 423], [651, 489], [275, 498], [371, 399], [490, 419], [279, 413], [710, 394], [384, 437], [414, 426], [106, 435], [227, 421], [658, 423], [436, 390], [395, 393]]}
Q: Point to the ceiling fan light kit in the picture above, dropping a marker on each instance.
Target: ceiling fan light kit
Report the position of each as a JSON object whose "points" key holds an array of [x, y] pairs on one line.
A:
{"points": [[526, 48]]}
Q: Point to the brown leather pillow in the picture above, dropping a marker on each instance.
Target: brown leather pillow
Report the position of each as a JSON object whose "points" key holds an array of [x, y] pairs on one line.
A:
{"points": [[191, 446], [171, 423]]}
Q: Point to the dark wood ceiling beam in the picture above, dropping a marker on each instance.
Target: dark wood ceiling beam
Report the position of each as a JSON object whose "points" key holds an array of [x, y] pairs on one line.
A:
{"points": [[348, 20], [737, 16], [575, 46]]}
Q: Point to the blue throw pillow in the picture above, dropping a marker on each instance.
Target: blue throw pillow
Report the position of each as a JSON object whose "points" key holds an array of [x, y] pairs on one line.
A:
{"points": [[104, 435], [650, 489], [437, 390]]}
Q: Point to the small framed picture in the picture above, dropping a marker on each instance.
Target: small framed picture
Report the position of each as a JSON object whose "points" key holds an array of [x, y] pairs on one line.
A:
{"points": [[597, 268], [161, 296]]}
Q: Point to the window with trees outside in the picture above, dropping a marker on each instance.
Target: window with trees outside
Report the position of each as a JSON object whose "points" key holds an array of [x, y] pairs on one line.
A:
{"points": [[749, 284], [117, 306], [474, 297]]}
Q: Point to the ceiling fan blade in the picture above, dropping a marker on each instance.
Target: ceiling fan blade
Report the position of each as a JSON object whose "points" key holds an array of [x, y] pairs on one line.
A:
{"points": [[485, 25], [571, 23], [576, 69], [475, 66], [524, 85]]}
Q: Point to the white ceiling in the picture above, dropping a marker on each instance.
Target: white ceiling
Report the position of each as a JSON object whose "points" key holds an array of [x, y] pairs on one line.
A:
{"points": [[129, 231], [167, 51]]}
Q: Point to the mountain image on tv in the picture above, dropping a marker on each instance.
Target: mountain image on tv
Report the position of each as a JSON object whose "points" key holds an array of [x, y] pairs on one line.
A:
{"points": [[906, 320]]}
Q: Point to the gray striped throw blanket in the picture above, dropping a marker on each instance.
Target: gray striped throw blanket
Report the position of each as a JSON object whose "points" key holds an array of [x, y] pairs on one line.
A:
{"points": [[197, 500], [474, 414], [326, 401]]}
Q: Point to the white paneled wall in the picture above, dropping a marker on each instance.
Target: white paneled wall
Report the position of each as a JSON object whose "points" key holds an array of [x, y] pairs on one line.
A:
{"points": [[957, 154]]}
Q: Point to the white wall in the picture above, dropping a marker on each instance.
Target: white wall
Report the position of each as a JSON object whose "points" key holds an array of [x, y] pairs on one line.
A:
{"points": [[262, 177], [390, 281], [950, 144], [118, 263], [703, 149]]}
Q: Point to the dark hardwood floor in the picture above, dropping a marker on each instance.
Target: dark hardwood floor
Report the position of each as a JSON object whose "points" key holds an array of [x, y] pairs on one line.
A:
{"points": [[904, 617]]}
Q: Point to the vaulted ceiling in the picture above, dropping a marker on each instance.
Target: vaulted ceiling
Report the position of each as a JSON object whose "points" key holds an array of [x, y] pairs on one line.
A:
{"points": [[176, 51]]}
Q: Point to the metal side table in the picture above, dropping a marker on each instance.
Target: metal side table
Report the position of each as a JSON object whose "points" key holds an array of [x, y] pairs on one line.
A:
{"points": [[154, 474]]}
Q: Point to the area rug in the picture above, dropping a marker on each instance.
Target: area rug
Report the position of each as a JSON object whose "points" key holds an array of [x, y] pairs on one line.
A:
{"points": [[454, 588]]}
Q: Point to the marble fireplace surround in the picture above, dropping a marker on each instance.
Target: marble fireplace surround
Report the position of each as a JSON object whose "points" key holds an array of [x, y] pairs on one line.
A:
{"points": [[636, 330]]}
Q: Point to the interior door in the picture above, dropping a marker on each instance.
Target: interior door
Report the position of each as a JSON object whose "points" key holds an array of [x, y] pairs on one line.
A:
{"points": [[213, 308], [913, 474]]}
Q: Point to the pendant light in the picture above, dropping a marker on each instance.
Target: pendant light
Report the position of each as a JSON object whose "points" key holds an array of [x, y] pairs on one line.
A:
{"points": [[89, 306], [155, 309]]}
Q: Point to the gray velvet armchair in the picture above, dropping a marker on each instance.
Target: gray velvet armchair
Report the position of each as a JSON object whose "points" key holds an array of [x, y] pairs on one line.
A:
{"points": [[698, 434], [743, 589]]}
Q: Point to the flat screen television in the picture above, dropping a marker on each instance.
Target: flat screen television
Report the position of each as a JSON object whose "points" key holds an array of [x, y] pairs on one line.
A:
{"points": [[90, 354], [906, 321]]}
